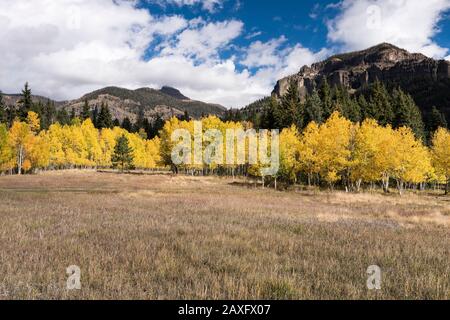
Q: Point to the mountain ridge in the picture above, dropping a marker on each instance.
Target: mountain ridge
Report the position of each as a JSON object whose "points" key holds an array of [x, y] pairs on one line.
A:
{"points": [[426, 79], [125, 103]]}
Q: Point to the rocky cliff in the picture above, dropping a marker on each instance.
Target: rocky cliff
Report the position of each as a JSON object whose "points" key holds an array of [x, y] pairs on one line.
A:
{"points": [[428, 80]]}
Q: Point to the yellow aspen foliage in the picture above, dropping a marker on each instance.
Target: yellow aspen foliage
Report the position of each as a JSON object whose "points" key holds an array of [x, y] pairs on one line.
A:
{"points": [[334, 153], [440, 152], [290, 147], [309, 147], [410, 157], [54, 139], [34, 122], [19, 138], [6, 153]]}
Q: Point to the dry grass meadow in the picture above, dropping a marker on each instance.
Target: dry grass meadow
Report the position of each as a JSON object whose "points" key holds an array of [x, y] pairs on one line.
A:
{"points": [[165, 237]]}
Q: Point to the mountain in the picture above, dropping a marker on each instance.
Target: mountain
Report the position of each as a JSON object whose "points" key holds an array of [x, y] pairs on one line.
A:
{"points": [[122, 103], [426, 79], [13, 99], [175, 93], [166, 102]]}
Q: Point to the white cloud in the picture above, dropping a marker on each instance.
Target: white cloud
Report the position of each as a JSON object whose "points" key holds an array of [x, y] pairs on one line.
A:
{"points": [[75, 46], [72, 47], [204, 40], [279, 59], [209, 5], [410, 24]]}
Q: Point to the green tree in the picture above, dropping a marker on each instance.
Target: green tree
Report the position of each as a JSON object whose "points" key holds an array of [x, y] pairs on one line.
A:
{"points": [[86, 111], [326, 97], [123, 154], [48, 115], [380, 107], [291, 107], [126, 124], [407, 113], [270, 112], [63, 117], [436, 120], [2, 110], [104, 119], [313, 109], [25, 103]]}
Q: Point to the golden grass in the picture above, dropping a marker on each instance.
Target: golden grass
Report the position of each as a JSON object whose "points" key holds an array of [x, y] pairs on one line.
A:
{"points": [[164, 237]]}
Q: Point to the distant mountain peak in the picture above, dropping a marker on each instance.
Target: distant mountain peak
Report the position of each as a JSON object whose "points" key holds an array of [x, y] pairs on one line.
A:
{"points": [[173, 92]]}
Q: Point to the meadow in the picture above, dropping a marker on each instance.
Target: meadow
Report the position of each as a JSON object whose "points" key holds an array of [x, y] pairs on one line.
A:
{"points": [[182, 237]]}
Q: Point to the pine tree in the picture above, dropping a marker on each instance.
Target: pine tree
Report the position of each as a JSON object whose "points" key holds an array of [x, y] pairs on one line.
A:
{"points": [[436, 120], [313, 109], [104, 119], [291, 107], [269, 116], [2, 110], [86, 112], [95, 116], [407, 113], [123, 154], [380, 107], [26, 102], [126, 124], [73, 114], [48, 115], [140, 120], [116, 123], [354, 110], [363, 105], [63, 117], [326, 98]]}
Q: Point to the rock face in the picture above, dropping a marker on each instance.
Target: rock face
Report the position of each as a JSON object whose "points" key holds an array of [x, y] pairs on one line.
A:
{"points": [[355, 70]]}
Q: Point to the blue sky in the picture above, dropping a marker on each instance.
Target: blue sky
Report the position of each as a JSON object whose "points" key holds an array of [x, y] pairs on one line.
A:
{"points": [[225, 51]]}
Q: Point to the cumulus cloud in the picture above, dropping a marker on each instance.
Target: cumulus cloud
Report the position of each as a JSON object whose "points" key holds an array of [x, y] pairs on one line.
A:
{"points": [[209, 5], [410, 24], [75, 46]]}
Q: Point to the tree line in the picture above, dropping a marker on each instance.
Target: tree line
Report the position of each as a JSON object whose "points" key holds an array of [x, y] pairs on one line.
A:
{"points": [[314, 150], [336, 153], [387, 106], [100, 115]]}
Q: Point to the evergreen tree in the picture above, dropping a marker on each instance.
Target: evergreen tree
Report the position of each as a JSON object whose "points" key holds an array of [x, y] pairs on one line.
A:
{"points": [[116, 123], [269, 116], [354, 110], [11, 115], [2, 110], [26, 102], [157, 126], [63, 117], [123, 154], [73, 114], [436, 120], [86, 112], [95, 116], [185, 116], [140, 120], [313, 109], [48, 115], [326, 97], [291, 107], [380, 107], [407, 113], [363, 106], [126, 124], [104, 119]]}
